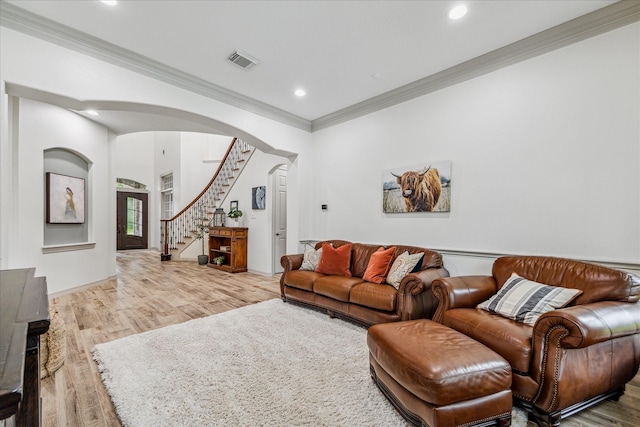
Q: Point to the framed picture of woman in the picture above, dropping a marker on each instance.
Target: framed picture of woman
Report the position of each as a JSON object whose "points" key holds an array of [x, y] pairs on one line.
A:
{"points": [[65, 199]]}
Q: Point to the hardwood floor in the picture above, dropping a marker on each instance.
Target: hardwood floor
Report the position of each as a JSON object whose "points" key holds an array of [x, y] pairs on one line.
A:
{"points": [[149, 294]]}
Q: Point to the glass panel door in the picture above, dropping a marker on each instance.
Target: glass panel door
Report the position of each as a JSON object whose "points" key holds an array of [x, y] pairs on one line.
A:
{"points": [[134, 217]]}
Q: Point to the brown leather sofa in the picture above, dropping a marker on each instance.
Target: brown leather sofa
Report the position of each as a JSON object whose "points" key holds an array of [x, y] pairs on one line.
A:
{"points": [[572, 357], [360, 301]]}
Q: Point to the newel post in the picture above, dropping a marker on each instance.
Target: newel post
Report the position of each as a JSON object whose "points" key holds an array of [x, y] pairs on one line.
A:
{"points": [[165, 256]]}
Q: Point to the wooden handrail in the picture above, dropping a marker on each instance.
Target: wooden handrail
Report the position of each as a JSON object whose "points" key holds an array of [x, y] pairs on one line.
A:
{"points": [[180, 225], [215, 175]]}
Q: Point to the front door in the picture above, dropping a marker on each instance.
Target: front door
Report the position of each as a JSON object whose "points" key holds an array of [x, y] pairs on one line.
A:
{"points": [[279, 218], [132, 221]]}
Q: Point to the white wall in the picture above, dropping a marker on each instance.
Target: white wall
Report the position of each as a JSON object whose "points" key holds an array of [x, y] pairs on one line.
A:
{"points": [[70, 74], [200, 156], [260, 221], [167, 161], [545, 160], [134, 159], [192, 157], [40, 127], [545, 156]]}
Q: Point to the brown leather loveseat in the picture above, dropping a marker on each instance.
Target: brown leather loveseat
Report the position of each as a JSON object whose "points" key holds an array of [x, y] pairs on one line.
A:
{"points": [[571, 357], [358, 300]]}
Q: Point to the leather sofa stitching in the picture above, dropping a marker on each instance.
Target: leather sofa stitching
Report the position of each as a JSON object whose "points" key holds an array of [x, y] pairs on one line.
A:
{"points": [[521, 397], [555, 372], [556, 367], [504, 414]]}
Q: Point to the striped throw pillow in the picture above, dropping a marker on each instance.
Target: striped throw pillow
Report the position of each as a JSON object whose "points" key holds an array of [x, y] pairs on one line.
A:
{"points": [[524, 301]]}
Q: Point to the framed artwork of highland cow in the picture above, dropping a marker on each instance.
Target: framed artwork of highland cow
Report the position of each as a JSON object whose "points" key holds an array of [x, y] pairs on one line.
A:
{"points": [[425, 187]]}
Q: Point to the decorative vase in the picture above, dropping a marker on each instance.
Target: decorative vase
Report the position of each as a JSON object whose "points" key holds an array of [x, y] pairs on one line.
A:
{"points": [[203, 259]]}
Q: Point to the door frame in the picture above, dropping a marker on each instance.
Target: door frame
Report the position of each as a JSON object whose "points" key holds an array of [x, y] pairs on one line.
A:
{"points": [[275, 262], [147, 210]]}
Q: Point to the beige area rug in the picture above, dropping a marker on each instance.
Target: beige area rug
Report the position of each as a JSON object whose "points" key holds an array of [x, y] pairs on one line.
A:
{"points": [[268, 364]]}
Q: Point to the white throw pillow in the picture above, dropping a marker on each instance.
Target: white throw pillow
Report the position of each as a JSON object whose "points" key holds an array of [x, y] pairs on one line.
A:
{"points": [[402, 266], [524, 301], [311, 258]]}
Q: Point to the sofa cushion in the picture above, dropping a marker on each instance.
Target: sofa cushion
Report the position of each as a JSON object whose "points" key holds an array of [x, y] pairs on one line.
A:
{"points": [[360, 256], [431, 259], [402, 266], [379, 265], [336, 287], [511, 340], [301, 279], [598, 283], [335, 261], [311, 258], [380, 297], [525, 301]]}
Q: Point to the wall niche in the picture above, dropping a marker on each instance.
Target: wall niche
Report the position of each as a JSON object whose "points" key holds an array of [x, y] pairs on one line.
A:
{"points": [[65, 162]]}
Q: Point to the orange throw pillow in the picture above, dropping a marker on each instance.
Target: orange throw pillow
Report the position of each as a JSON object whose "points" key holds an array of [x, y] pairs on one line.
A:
{"points": [[335, 261], [379, 265]]}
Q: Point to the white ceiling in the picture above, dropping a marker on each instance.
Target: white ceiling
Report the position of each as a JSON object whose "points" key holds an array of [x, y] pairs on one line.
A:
{"points": [[341, 52]]}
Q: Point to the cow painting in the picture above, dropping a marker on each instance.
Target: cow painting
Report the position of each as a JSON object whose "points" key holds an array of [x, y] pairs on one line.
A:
{"points": [[421, 190]]}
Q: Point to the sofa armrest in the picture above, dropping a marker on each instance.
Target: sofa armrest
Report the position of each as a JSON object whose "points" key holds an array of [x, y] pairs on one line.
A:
{"points": [[599, 338], [461, 292], [588, 324], [291, 262], [418, 282], [415, 299]]}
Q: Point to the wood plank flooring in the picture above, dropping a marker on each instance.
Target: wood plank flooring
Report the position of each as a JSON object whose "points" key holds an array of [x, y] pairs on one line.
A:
{"points": [[149, 294]]}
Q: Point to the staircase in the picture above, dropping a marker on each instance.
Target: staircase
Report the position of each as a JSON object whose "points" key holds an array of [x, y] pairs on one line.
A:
{"points": [[176, 233]]}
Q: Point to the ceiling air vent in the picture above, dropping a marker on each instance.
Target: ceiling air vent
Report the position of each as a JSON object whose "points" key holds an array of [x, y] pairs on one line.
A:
{"points": [[242, 59]]}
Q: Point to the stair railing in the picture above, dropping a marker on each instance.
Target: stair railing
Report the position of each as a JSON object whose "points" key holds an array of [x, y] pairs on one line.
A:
{"points": [[174, 230]]}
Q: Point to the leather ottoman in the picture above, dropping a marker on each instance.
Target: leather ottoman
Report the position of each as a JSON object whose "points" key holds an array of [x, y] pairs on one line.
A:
{"points": [[436, 376]]}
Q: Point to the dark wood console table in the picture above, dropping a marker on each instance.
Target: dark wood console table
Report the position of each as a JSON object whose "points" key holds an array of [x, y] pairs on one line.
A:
{"points": [[24, 316], [229, 243]]}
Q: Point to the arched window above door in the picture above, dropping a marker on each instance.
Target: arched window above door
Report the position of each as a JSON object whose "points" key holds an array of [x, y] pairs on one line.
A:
{"points": [[129, 183]]}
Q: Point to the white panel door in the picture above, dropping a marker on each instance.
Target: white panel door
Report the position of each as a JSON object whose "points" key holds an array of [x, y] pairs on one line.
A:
{"points": [[279, 217]]}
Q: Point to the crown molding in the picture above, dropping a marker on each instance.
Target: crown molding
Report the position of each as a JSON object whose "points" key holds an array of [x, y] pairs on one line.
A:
{"points": [[611, 17], [617, 15], [34, 25]]}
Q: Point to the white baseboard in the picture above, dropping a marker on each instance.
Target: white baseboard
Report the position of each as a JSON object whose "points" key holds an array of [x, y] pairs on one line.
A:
{"points": [[81, 287]]}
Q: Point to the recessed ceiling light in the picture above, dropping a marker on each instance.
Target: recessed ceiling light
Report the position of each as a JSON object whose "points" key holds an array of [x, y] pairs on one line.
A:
{"points": [[110, 2], [457, 12], [93, 113], [300, 93]]}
